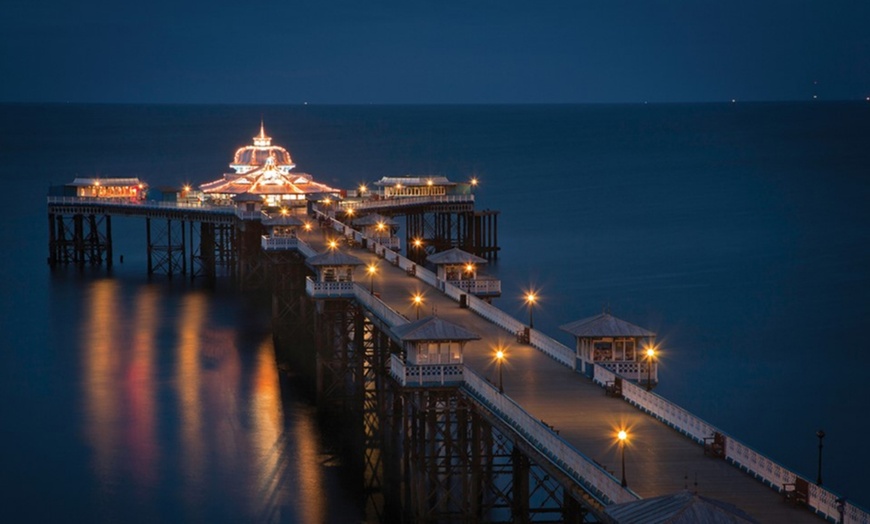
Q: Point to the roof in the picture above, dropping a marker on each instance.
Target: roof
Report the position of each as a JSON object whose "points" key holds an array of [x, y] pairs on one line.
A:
{"points": [[414, 181], [374, 219], [605, 325], [266, 180], [260, 152], [334, 258], [454, 256], [433, 328], [112, 182], [282, 220], [684, 507]]}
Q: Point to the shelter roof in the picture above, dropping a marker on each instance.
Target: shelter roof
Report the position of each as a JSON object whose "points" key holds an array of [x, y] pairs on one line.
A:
{"points": [[414, 181], [454, 256], [374, 219], [282, 220], [684, 507], [605, 325], [433, 328], [111, 182], [334, 258]]}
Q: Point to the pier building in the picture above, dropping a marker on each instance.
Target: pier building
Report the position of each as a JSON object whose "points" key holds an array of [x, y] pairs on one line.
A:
{"points": [[110, 188], [417, 186], [264, 170]]}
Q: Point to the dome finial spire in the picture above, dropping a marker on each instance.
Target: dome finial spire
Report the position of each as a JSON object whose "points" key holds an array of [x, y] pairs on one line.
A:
{"points": [[262, 140]]}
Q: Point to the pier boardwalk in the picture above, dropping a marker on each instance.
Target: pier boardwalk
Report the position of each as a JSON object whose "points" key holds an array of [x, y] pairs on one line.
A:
{"points": [[660, 459], [563, 414]]}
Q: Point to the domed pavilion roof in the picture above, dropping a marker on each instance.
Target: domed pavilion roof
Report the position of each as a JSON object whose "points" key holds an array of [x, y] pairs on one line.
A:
{"points": [[251, 157]]}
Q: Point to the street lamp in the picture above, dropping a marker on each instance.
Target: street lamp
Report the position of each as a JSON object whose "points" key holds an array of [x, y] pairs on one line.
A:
{"points": [[821, 435], [623, 437], [531, 298], [372, 269], [380, 227], [333, 245], [499, 361], [650, 355], [418, 301]]}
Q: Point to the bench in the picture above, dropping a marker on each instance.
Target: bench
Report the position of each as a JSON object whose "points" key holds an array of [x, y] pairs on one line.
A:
{"points": [[715, 445], [797, 492], [613, 388]]}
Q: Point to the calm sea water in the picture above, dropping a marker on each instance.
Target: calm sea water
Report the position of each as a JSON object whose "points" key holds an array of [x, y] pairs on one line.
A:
{"points": [[740, 233]]}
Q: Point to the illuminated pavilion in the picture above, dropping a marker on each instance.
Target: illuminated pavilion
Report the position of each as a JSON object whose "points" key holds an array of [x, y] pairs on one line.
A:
{"points": [[264, 170]]}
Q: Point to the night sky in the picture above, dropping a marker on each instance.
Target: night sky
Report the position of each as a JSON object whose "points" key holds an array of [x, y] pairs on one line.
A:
{"points": [[470, 51]]}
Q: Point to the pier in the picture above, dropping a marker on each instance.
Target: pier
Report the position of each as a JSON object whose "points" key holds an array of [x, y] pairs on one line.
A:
{"points": [[454, 409], [530, 435]]}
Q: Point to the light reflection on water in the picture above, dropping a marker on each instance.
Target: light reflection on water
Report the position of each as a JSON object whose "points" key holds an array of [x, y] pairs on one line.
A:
{"points": [[184, 415]]}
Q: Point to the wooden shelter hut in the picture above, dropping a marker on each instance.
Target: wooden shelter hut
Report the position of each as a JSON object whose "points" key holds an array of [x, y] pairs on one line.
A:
{"points": [[615, 344], [433, 351]]}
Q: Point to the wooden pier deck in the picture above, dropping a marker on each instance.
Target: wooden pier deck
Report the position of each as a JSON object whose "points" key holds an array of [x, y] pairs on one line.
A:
{"points": [[659, 460]]}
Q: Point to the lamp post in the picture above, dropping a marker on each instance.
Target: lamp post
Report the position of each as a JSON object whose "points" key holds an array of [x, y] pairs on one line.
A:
{"points": [[499, 359], [821, 435], [380, 227], [372, 269], [530, 300], [333, 244], [650, 355], [623, 436], [418, 301]]}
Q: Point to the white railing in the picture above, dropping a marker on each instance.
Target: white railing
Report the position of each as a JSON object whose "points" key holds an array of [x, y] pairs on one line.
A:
{"points": [[604, 486], [270, 243], [555, 350], [317, 289], [158, 205], [483, 286], [387, 314], [425, 374], [392, 243], [632, 370], [666, 411], [763, 468], [409, 201]]}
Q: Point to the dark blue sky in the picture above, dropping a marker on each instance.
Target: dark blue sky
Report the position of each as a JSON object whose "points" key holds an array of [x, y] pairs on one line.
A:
{"points": [[471, 51]]}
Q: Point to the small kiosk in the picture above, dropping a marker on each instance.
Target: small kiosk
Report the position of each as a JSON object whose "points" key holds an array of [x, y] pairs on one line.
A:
{"points": [[379, 228], [616, 345], [333, 275], [459, 268], [282, 232], [433, 352]]}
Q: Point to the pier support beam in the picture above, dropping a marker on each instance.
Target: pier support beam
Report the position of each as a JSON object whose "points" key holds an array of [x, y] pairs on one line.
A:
{"points": [[166, 247], [79, 239], [473, 231]]}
